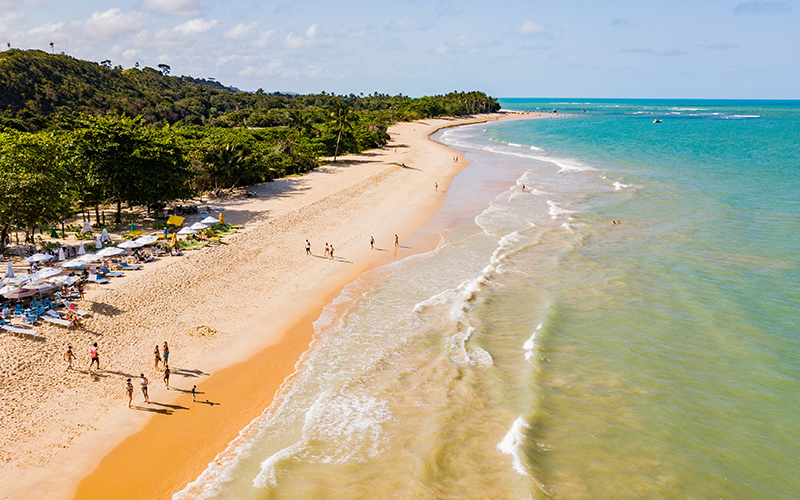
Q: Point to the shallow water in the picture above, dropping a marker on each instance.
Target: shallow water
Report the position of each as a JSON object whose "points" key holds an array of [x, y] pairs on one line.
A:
{"points": [[543, 351]]}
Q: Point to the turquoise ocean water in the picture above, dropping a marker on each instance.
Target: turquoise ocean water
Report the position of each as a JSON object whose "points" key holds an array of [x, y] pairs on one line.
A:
{"points": [[545, 351]]}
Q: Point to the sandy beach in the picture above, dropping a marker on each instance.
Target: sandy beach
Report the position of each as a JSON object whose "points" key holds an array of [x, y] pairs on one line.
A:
{"points": [[241, 311]]}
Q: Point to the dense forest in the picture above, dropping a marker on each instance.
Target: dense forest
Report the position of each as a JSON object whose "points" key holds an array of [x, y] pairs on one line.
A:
{"points": [[77, 134]]}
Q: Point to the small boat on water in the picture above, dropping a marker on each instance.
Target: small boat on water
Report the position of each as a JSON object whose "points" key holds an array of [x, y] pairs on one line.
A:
{"points": [[656, 121]]}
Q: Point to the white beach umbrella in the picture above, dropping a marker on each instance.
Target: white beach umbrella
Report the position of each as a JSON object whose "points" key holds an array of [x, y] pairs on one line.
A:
{"points": [[110, 252], [7, 288], [198, 226], [187, 230], [98, 244], [45, 273], [39, 257], [89, 257], [81, 250], [73, 263], [61, 254], [129, 244], [9, 270], [66, 280], [209, 221], [105, 236], [87, 228], [146, 240], [16, 280]]}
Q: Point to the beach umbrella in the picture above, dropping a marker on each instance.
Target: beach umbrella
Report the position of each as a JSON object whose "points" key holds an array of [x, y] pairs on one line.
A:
{"points": [[38, 257], [105, 236], [209, 221], [45, 273], [129, 244], [110, 252], [89, 257], [81, 250], [16, 280], [187, 230], [9, 270], [98, 244], [7, 288], [198, 226], [39, 286], [61, 254], [65, 280], [19, 293], [146, 240], [73, 263], [87, 228]]}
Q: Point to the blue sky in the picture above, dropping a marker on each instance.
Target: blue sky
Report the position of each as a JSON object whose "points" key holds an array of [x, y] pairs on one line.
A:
{"points": [[713, 49]]}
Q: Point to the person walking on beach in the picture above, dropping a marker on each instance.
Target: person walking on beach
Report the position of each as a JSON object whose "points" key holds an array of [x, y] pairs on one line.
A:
{"points": [[331, 252], [166, 354], [68, 357], [95, 357], [308, 248], [129, 391], [194, 393], [371, 243], [396, 241], [157, 355], [143, 384], [327, 250], [166, 378], [436, 186]]}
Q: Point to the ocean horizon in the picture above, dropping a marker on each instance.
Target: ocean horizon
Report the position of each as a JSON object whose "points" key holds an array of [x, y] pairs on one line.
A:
{"points": [[611, 312]]}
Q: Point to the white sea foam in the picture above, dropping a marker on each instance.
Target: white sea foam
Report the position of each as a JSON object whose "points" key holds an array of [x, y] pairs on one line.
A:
{"points": [[618, 186], [556, 210], [530, 344], [512, 442]]}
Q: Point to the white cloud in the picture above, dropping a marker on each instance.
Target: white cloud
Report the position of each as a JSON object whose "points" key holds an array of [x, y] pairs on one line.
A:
{"points": [[112, 23], [464, 44], [276, 68], [241, 31], [657, 51], [531, 28], [309, 39], [47, 29], [9, 19], [186, 8], [198, 25], [723, 46]]}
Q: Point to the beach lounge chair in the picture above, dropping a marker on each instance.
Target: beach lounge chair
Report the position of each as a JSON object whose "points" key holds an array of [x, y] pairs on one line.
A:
{"points": [[107, 273], [130, 267], [57, 321], [20, 331], [97, 279]]}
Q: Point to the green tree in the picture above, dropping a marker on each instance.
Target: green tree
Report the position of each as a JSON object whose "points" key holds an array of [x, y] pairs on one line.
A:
{"points": [[341, 118], [35, 187]]}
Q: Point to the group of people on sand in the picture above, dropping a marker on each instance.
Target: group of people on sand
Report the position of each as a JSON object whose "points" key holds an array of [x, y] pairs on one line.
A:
{"points": [[161, 357], [329, 248]]}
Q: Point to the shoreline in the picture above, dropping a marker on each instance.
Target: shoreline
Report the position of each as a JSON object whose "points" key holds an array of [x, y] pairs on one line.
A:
{"points": [[259, 357]]}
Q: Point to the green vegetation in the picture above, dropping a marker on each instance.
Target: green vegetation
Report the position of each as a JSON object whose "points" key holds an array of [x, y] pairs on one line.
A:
{"points": [[76, 135]]}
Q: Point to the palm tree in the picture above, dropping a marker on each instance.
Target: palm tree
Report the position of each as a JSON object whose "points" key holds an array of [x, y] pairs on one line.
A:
{"points": [[342, 119], [52, 47]]}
